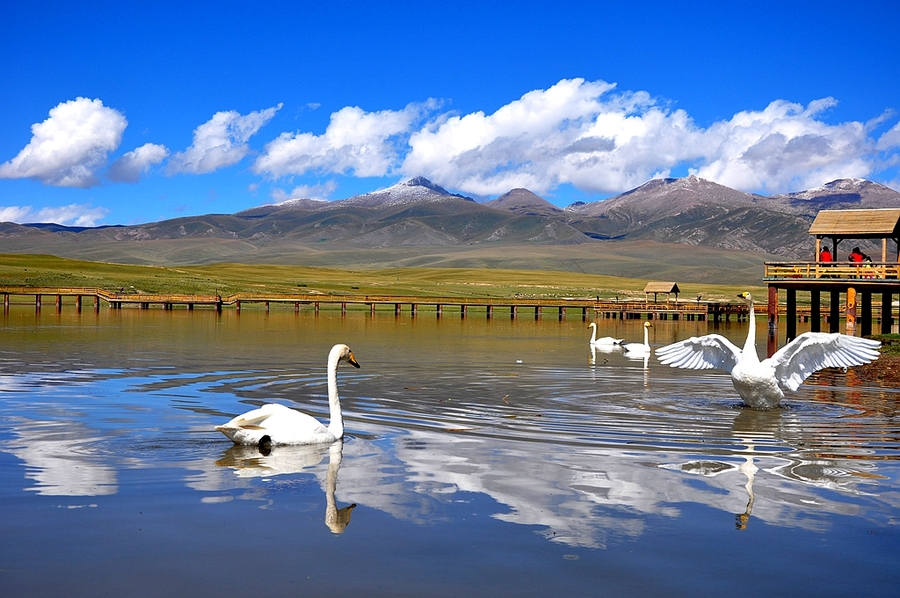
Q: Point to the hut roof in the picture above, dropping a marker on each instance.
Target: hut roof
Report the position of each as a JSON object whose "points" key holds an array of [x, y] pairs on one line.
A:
{"points": [[859, 224], [661, 287]]}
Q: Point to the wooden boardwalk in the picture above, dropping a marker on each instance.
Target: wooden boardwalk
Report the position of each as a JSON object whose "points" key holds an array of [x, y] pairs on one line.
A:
{"points": [[492, 306]]}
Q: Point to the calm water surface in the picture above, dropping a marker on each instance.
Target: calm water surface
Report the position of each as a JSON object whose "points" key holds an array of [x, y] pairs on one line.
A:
{"points": [[485, 458]]}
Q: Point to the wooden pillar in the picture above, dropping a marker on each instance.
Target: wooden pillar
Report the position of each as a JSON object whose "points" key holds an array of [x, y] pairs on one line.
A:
{"points": [[462, 310], [267, 307], [412, 310], [5, 301], [537, 312], [512, 312], [237, 306], [371, 309], [791, 315], [815, 312], [343, 308], [865, 304], [296, 307], [562, 313], [887, 312], [772, 309], [772, 312], [37, 302], [316, 308], [396, 309], [489, 312], [78, 303], [834, 312], [438, 309], [851, 311]]}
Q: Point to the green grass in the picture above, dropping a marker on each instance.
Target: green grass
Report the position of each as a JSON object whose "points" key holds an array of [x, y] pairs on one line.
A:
{"points": [[229, 278]]}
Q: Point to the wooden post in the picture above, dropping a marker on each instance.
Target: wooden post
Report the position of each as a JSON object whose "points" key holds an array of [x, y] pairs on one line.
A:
{"points": [[834, 312], [815, 315], [489, 312], [772, 310], [537, 312], [851, 311], [562, 313], [438, 309], [462, 310], [512, 312], [791, 315], [865, 325]]}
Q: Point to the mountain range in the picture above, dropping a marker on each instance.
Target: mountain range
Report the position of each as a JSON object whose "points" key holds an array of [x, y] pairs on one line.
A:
{"points": [[417, 219]]}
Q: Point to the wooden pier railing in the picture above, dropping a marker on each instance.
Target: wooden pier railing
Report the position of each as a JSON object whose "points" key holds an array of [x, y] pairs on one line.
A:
{"points": [[674, 310], [865, 271]]}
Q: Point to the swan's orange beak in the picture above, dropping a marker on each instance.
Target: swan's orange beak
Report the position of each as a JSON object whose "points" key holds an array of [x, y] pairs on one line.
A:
{"points": [[352, 360]]}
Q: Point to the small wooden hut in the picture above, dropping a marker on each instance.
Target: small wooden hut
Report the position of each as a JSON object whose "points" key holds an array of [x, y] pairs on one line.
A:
{"points": [[661, 287]]}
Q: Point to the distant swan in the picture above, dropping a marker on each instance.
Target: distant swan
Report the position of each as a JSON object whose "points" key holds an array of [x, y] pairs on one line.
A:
{"points": [[761, 384], [605, 340], [636, 348], [276, 424]]}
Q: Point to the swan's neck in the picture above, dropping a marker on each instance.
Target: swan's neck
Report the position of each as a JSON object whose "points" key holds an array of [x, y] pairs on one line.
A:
{"points": [[593, 332], [336, 422], [750, 344], [646, 336]]}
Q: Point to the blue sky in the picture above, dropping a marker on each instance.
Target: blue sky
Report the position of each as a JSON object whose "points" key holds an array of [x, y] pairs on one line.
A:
{"points": [[127, 113]]}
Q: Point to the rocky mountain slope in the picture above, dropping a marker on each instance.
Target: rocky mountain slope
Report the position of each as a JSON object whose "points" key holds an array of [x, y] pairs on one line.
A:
{"points": [[419, 214]]}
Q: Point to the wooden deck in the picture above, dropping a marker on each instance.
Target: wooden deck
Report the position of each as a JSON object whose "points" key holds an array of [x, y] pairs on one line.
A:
{"points": [[516, 306]]}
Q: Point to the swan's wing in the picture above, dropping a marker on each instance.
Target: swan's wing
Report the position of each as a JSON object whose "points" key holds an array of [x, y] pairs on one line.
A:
{"points": [[813, 351], [711, 351], [258, 417]]}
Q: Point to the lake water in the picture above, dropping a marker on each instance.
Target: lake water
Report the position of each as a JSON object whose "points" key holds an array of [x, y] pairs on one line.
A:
{"points": [[484, 457]]}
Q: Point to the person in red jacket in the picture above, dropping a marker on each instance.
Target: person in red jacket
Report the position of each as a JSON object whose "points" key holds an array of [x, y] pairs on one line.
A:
{"points": [[856, 255], [825, 255]]}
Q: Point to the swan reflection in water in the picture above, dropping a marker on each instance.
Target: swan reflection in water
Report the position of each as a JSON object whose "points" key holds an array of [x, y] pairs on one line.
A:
{"points": [[751, 428], [256, 462]]}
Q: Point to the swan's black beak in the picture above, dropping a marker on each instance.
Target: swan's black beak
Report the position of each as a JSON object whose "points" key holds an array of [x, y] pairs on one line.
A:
{"points": [[352, 360]]}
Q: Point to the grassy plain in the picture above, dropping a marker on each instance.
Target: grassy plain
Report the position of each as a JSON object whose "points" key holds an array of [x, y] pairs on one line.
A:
{"points": [[229, 278]]}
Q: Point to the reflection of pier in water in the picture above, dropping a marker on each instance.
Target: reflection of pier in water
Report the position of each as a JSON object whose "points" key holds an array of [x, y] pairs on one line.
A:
{"points": [[491, 306]]}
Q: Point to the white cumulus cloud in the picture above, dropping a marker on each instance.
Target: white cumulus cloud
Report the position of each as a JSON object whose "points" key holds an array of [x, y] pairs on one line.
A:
{"points": [[220, 142], [598, 139], [69, 215], [362, 143], [784, 146], [130, 167], [68, 148]]}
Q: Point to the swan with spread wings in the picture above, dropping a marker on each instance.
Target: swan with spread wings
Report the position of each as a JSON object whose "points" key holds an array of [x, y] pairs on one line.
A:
{"points": [[762, 384]]}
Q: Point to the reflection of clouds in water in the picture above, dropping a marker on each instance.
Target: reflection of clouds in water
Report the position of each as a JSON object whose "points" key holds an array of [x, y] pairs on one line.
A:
{"points": [[61, 458], [579, 495]]}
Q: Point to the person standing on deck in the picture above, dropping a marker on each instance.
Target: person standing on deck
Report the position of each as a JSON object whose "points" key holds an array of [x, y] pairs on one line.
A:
{"points": [[825, 254]]}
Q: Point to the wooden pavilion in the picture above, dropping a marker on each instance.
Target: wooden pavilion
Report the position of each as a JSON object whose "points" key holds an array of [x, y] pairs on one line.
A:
{"points": [[661, 287], [859, 282]]}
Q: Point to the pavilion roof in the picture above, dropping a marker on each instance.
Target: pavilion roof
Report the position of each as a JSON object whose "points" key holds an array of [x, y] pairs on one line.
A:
{"points": [[859, 224]]}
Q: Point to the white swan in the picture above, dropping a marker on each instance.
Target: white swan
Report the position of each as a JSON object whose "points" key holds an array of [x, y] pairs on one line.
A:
{"points": [[604, 341], [276, 424], [640, 348], [761, 384]]}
